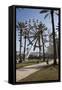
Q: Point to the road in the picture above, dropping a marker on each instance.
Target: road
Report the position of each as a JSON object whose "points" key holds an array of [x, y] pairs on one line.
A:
{"points": [[27, 70]]}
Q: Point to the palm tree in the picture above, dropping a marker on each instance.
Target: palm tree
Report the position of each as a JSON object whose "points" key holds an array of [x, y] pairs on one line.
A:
{"points": [[58, 29], [39, 36], [42, 28], [53, 28], [24, 34], [20, 27]]}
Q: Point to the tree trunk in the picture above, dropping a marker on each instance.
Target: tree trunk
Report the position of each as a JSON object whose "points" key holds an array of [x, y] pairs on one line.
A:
{"points": [[43, 49], [20, 45], [59, 36], [54, 44], [24, 48], [39, 48]]}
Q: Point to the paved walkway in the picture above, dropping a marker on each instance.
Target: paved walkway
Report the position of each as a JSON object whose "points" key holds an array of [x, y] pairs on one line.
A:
{"points": [[27, 70]]}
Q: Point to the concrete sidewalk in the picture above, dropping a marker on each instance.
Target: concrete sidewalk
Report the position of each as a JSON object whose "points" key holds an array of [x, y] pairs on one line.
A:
{"points": [[27, 70]]}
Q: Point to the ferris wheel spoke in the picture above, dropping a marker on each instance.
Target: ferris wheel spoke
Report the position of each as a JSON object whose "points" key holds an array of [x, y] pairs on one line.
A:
{"points": [[31, 41], [30, 36], [30, 49], [35, 45], [31, 32]]}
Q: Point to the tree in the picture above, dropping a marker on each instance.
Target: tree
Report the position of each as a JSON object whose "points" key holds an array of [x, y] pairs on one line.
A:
{"points": [[58, 29], [42, 28], [38, 37], [24, 34], [20, 27], [53, 28]]}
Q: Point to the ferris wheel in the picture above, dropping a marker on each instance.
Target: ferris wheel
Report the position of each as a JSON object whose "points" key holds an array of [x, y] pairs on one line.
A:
{"points": [[32, 31], [35, 36]]}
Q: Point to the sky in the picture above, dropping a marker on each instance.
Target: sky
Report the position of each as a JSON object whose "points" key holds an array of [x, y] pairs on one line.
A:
{"points": [[24, 14]]}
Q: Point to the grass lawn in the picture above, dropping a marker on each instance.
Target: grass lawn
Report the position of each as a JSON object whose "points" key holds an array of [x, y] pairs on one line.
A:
{"points": [[46, 73], [22, 65], [27, 63]]}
